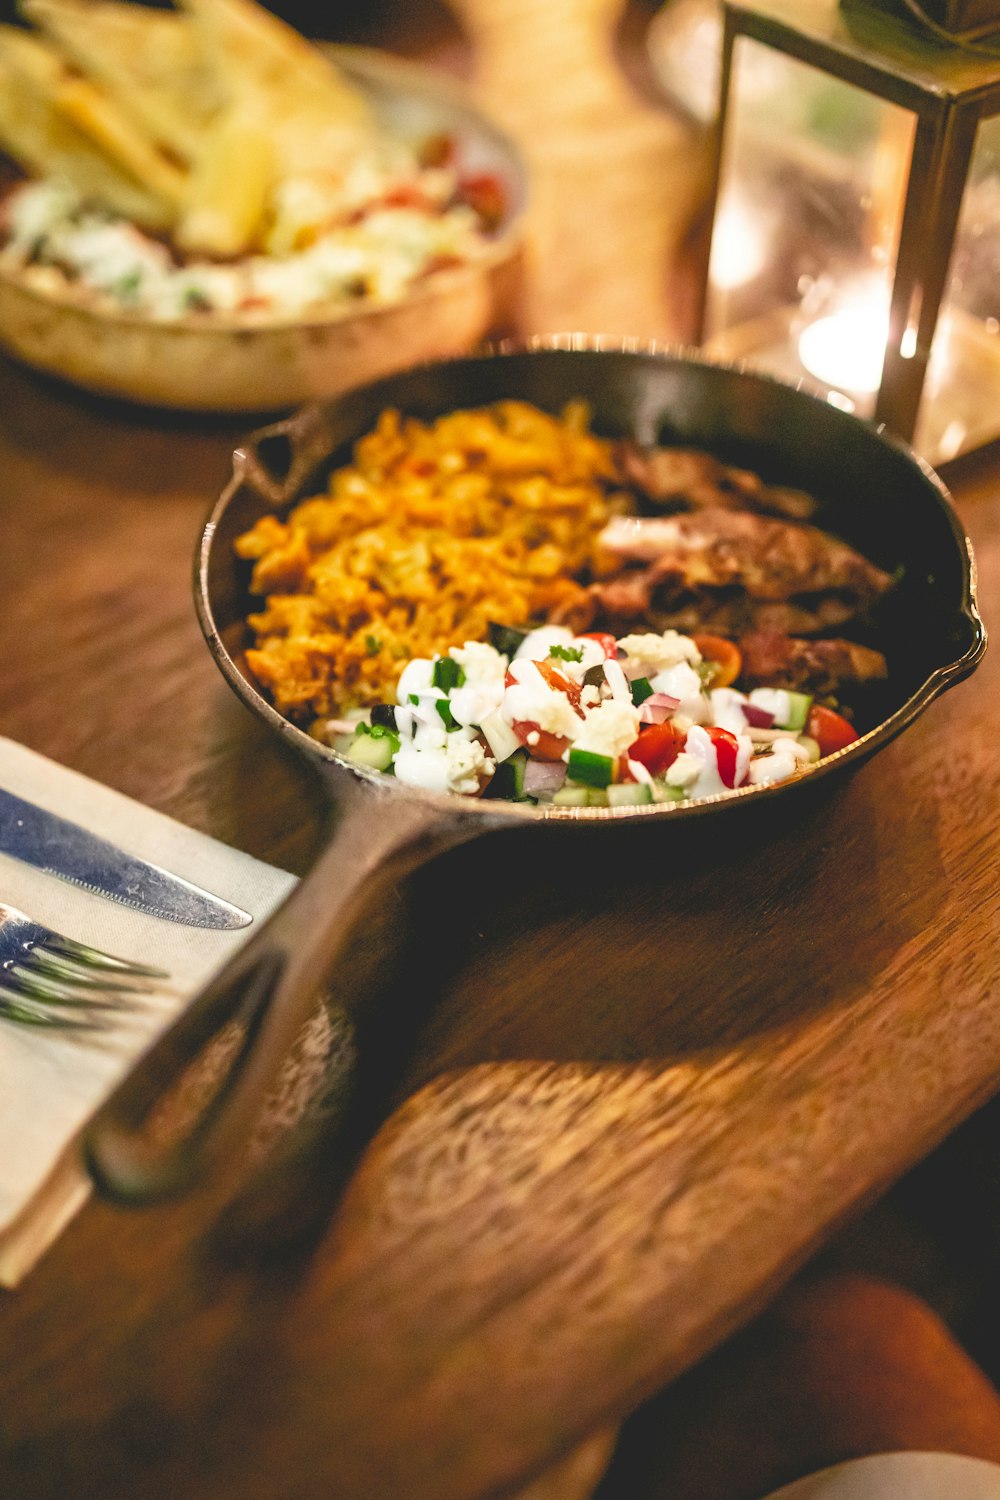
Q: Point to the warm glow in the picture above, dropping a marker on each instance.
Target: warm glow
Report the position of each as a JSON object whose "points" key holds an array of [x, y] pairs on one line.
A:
{"points": [[846, 349], [739, 247]]}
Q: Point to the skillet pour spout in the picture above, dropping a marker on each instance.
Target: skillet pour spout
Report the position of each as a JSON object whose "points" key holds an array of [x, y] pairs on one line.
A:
{"points": [[872, 491]]}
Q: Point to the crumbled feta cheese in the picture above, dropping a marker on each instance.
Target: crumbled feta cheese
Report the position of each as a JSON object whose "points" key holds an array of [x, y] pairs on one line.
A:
{"points": [[482, 692], [682, 682], [610, 729], [335, 238], [531, 700], [659, 651], [459, 765]]}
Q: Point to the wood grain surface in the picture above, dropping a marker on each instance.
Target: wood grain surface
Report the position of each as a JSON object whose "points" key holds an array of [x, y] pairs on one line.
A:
{"points": [[655, 1077]]}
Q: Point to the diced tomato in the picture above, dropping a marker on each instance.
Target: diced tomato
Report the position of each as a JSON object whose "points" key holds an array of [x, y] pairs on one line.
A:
{"points": [[830, 730], [405, 195], [657, 747], [725, 655], [484, 193], [561, 684], [607, 643], [548, 746], [726, 750]]}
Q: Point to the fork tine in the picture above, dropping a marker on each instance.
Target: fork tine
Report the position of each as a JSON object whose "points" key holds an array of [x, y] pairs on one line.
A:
{"points": [[95, 959], [37, 986], [15, 1007], [84, 976]]}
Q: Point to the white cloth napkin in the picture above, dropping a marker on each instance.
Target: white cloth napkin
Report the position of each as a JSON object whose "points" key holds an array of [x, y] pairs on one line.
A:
{"points": [[900, 1476], [51, 1083]]}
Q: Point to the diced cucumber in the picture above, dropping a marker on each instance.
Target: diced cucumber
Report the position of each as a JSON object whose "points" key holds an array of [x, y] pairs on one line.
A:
{"points": [[590, 768], [570, 796], [445, 714], [499, 736], [811, 745], [374, 750], [667, 793], [447, 674], [508, 780], [629, 794], [642, 689], [799, 705]]}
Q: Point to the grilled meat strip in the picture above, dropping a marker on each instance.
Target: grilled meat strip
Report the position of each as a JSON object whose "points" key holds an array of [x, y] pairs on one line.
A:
{"points": [[734, 617], [671, 477], [724, 549], [771, 659]]}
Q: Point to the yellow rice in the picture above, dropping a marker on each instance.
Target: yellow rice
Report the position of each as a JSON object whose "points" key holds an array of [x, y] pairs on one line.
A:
{"points": [[433, 531]]}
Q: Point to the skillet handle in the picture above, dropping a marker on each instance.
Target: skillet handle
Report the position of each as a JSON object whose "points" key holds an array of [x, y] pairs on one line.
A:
{"points": [[267, 991]]}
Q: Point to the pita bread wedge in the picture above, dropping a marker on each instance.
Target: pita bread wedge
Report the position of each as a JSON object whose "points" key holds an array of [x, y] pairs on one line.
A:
{"points": [[229, 187], [43, 142], [254, 54], [148, 62], [93, 115]]}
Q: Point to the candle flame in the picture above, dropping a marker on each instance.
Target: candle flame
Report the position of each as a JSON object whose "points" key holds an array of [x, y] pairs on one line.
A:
{"points": [[846, 349]]}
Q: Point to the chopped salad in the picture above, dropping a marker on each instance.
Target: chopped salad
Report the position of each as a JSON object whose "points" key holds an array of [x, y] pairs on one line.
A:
{"points": [[367, 236], [547, 716]]}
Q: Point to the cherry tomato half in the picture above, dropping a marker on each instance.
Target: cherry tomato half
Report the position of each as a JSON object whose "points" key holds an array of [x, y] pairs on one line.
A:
{"points": [[657, 747], [830, 730], [726, 750], [607, 643], [548, 746], [724, 654], [560, 683]]}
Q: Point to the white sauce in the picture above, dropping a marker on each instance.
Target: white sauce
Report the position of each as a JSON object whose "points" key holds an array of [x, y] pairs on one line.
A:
{"points": [[333, 241]]}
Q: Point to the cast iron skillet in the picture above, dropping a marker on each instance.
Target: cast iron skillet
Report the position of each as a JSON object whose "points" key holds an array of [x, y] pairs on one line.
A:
{"points": [[873, 491]]}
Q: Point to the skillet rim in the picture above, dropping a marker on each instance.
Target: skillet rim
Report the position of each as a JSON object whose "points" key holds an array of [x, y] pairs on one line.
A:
{"points": [[331, 764]]}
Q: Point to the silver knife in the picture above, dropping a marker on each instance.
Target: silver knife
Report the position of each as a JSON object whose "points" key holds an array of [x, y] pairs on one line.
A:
{"points": [[59, 847]]}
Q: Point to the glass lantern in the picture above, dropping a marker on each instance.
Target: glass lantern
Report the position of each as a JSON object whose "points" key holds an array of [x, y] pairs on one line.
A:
{"points": [[856, 229]]}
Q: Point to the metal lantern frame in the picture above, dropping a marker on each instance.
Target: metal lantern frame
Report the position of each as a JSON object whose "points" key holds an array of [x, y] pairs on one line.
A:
{"points": [[949, 91]]}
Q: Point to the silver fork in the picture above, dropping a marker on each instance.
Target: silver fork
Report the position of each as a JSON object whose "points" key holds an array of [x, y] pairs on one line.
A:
{"points": [[50, 980]]}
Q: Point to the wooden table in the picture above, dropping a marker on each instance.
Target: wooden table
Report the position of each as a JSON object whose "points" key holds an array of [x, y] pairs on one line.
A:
{"points": [[648, 1089]]}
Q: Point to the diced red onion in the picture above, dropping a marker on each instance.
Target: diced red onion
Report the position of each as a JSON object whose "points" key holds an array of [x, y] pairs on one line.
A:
{"points": [[633, 667], [543, 776], [757, 717], [657, 708]]}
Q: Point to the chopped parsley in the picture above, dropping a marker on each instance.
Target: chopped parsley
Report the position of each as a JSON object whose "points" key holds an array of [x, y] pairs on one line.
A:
{"points": [[566, 653]]}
